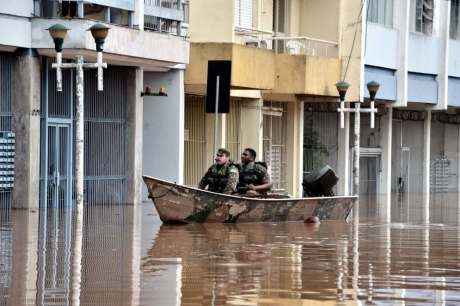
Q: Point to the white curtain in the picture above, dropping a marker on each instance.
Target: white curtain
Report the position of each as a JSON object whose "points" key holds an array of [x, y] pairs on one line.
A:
{"points": [[454, 19], [381, 12]]}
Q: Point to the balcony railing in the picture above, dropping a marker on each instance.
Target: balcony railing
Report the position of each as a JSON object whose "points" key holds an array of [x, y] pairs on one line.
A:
{"points": [[165, 16], [171, 4], [284, 44]]}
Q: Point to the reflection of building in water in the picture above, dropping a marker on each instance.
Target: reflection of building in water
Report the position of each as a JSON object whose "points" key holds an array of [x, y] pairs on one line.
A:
{"points": [[42, 270], [6, 254], [18, 273]]}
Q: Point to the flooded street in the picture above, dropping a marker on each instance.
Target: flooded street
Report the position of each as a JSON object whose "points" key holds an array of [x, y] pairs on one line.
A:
{"points": [[403, 253]]}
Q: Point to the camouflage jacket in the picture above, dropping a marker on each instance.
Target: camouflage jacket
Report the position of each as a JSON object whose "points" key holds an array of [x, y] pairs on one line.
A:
{"points": [[222, 179], [253, 173]]}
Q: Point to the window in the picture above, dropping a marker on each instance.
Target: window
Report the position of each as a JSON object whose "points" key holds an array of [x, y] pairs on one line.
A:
{"points": [[243, 13], [454, 19], [381, 12], [423, 13]]}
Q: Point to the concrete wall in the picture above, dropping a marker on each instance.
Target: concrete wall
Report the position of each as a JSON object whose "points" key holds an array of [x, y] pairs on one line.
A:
{"points": [[382, 46], [211, 21], [314, 13], [16, 14], [424, 53], [130, 43], [454, 59], [163, 152], [454, 92], [387, 80], [20, 37], [422, 88]]}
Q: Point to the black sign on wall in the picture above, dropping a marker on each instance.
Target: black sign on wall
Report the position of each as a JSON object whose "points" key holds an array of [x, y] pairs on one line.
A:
{"points": [[223, 69]]}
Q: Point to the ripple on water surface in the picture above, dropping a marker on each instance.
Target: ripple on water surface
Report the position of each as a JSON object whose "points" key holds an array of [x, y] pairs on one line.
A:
{"points": [[405, 252]]}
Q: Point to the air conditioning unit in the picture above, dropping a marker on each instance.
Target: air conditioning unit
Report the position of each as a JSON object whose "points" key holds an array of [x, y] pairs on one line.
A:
{"points": [[252, 43], [263, 44]]}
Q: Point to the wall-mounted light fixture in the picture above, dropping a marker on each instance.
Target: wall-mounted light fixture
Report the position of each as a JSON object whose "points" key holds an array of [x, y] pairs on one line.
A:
{"points": [[148, 92]]}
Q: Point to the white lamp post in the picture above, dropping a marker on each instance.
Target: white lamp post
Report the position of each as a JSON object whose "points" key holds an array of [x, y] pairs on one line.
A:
{"points": [[342, 88]]}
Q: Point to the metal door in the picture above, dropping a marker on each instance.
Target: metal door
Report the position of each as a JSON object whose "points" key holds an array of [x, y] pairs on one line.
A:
{"points": [[58, 165], [369, 176], [404, 173]]}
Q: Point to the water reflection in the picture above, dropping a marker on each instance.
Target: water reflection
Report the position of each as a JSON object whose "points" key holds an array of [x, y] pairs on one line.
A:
{"points": [[396, 251]]}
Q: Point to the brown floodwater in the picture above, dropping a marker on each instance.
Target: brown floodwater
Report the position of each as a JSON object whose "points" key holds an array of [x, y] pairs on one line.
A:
{"points": [[398, 251]]}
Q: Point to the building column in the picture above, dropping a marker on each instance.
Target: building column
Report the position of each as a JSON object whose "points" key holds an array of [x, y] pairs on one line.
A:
{"points": [[164, 117], [295, 148], [426, 152], [343, 156], [386, 145], [252, 122], [134, 139], [26, 125]]}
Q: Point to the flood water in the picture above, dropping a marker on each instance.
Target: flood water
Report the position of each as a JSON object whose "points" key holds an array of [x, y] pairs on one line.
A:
{"points": [[402, 251]]}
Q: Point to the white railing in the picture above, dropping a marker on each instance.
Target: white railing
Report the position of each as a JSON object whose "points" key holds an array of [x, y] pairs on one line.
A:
{"points": [[306, 46], [283, 44], [172, 4]]}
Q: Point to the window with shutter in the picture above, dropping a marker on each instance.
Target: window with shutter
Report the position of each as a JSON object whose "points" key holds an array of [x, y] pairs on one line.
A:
{"points": [[243, 13]]}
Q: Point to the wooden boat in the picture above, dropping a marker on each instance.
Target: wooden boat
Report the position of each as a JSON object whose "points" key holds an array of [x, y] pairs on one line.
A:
{"points": [[181, 204]]}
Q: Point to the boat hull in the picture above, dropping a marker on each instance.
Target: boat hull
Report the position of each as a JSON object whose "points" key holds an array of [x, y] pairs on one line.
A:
{"points": [[181, 204]]}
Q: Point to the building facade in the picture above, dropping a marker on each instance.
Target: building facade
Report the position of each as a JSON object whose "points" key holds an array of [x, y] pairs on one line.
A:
{"points": [[284, 56], [146, 46], [411, 49]]}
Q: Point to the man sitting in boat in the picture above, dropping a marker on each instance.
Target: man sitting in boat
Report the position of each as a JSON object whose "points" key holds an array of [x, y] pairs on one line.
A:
{"points": [[254, 179], [222, 176]]}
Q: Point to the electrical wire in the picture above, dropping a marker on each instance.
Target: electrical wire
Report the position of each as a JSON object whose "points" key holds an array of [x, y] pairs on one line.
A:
{"points": [[354, 39]]}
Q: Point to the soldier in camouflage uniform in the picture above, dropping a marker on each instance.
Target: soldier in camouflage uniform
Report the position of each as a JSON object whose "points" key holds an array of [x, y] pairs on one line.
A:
{"points": [[254, 179], [222, 176]]}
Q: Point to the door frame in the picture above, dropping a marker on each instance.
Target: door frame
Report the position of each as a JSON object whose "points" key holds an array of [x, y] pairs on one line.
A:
{"points": [[67, 123]]}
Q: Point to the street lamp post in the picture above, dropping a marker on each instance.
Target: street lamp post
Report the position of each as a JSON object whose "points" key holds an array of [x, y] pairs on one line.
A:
{"points": [[342, 88], [58, 33]]}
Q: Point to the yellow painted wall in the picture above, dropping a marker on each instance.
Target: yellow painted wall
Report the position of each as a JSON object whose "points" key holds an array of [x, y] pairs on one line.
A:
{"points": [[320, 19], [251, 67], [320, 75], [351, 25], [306, 75], [266, 15], [211, 21], [294, 17], [200, 53]]}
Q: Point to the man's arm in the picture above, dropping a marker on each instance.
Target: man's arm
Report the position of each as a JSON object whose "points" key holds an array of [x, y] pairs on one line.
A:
{"points": [[204, 181], [265, 178]]}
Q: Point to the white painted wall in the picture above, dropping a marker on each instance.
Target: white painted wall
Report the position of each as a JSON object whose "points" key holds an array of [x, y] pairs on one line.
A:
{"points": [[382, 46], [15, 31], [14, 22], [163, 152], [22, 8]]}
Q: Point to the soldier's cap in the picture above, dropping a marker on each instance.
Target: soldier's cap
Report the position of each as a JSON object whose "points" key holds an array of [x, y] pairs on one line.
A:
{"points": [[223, 151]]}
